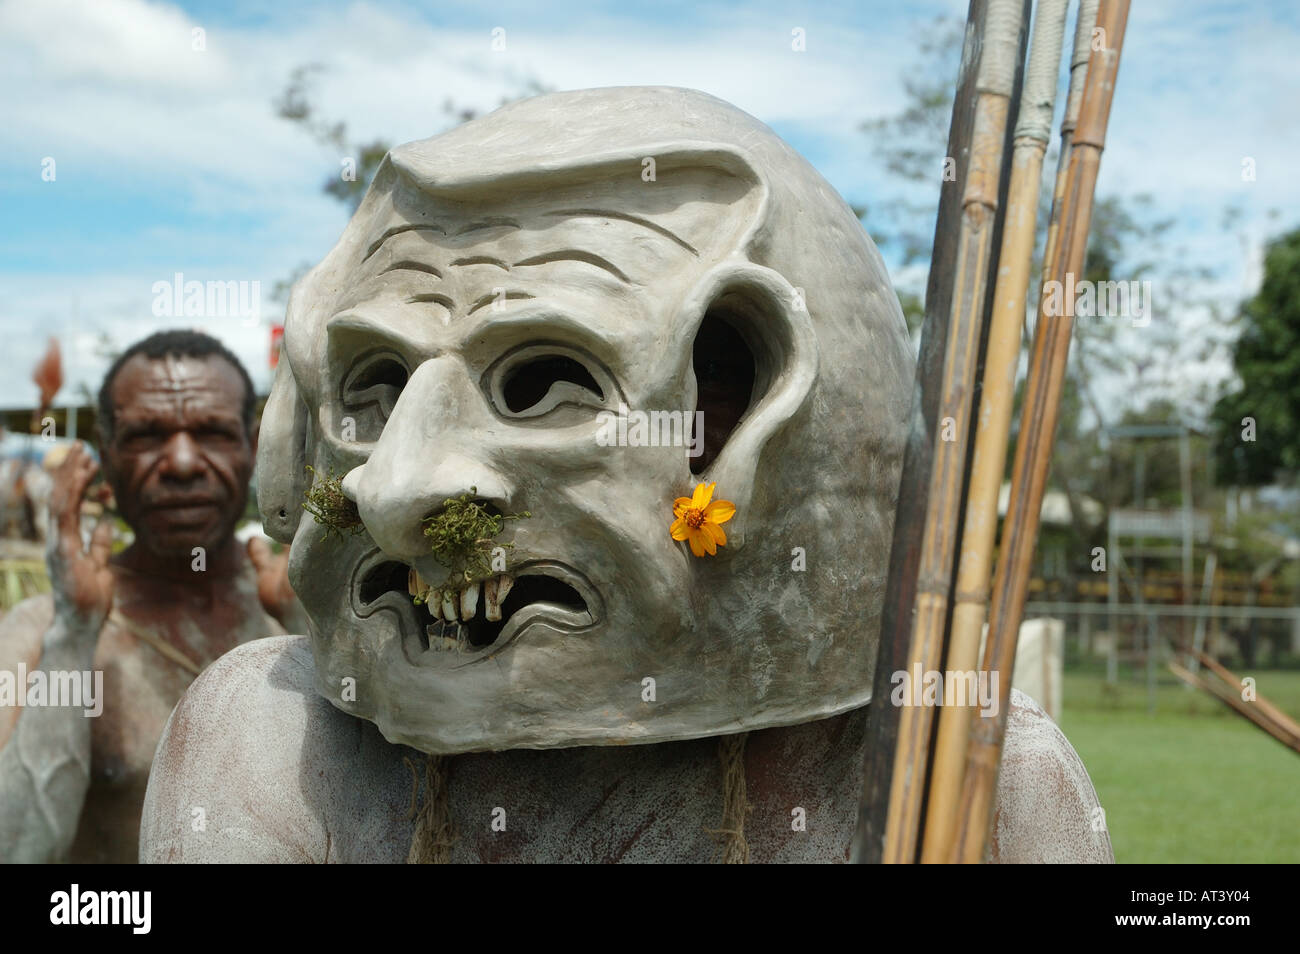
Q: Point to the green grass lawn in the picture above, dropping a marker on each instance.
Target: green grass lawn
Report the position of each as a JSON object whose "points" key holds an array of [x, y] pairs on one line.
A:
{"points": [[1194, 782]]}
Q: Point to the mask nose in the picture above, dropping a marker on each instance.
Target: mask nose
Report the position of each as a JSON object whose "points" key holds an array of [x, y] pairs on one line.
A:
{"points": [[435, 445]]}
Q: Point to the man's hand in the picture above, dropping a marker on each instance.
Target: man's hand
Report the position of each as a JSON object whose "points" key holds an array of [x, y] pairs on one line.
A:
{"points": [[273, 587], [81, 580]]}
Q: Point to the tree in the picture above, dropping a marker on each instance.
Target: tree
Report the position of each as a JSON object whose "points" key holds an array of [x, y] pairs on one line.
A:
{"points": [[1258, 424], [295, 104]]}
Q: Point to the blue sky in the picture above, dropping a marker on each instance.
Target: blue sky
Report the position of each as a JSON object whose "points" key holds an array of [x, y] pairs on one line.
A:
{"points": [[172, 160]]}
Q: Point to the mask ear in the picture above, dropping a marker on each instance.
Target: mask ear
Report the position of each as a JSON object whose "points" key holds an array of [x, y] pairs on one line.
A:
{"points": [[282, 457], [746, 305]]}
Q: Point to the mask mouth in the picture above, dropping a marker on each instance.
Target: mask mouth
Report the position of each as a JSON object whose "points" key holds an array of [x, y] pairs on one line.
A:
{"points": [[482, 619]]}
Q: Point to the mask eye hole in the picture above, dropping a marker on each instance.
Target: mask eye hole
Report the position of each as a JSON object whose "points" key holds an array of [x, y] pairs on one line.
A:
{"points": [[529, 382], [557, 383], [371, 391]]}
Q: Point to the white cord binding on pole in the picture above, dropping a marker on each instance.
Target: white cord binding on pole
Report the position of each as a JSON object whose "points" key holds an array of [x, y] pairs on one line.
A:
{"points": [[1038, 99], [1001, 47]]}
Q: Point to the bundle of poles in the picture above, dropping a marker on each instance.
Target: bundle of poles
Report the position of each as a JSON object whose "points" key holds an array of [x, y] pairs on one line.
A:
{"points": [[1225, 686], [931, 772]]}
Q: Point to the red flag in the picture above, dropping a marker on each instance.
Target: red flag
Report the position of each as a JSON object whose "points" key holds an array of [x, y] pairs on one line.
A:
{"points": [[48, 375], [277, 340]]}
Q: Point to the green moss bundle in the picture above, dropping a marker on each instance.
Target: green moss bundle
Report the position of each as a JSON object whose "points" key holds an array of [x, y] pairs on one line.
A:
{"points": [[461, 536], [329, 507]]}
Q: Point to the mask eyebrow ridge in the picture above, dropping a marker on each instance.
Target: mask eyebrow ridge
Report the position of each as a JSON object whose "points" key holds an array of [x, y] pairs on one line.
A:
{"points": [[635, 219], [489, 298], [481, 260], [577, 255], [414, 267], [398, 230], [488, 224]]}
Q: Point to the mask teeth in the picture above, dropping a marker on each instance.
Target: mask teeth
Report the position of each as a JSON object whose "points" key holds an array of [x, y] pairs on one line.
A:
{"points": [[504, 583], [421, 590], [494, 594], [491, 600], [449, 606], [469, 601]]}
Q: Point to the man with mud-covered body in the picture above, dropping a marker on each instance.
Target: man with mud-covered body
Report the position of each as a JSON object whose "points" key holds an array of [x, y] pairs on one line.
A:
{"points": [[178, 440]]}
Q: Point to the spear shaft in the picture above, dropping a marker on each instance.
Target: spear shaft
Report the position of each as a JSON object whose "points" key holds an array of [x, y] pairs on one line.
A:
{"points": [[1038, 430]]}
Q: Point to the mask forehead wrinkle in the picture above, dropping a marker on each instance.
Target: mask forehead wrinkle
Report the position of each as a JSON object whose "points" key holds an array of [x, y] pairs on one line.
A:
{"points": [[704, 212], [634, 253], [633, 319], [647, 231]]}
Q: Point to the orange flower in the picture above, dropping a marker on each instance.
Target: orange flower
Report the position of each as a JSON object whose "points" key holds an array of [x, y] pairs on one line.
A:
{"points": [[698, 521]]}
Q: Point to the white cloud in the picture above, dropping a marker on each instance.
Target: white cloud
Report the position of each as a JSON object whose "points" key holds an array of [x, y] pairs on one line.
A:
{"points": [[114, 89], [78, 309], [131, 42]]}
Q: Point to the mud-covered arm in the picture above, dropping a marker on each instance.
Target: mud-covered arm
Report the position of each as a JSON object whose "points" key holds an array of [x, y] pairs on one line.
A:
{"points": [[45, 749], [45, 759]]}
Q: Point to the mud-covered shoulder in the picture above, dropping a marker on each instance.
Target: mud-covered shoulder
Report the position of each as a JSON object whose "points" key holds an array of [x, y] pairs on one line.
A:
{"points": [[255, 766], [224, 783], [1047, 808]]}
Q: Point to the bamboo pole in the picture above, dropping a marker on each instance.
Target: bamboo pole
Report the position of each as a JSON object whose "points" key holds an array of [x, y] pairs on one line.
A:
{"points": [[909, 517], [1233, 701], [1207, 599], [1002, 355], [999, 63], [1038, 430], [1085, 21], [1231, 678]]}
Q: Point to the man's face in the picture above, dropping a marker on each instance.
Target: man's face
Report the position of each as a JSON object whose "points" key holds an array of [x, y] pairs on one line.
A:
{"points": [[180, 459], [476, 357]]}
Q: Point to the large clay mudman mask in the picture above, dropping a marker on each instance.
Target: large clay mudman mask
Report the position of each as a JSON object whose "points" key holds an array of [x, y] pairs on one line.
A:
{"points": [[524, 316]]}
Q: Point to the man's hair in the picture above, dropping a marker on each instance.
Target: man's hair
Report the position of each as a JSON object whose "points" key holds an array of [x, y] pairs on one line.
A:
{"points": [[180, 343]]}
